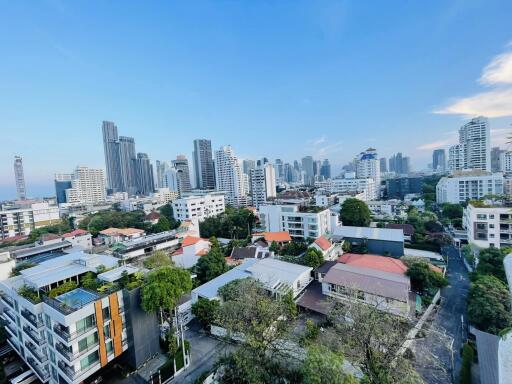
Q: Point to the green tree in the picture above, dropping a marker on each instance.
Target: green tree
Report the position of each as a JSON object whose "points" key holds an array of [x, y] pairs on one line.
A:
{"points": [[274, 247], [489, 304], [313, 258], [163, 289], [212, 264], [468, 355], [490, 262], [231, 290], [157, 260], [168, 212], [205, 311], [355, 212], [89, 281], [322, 366], [452, 211], [162, 225]]}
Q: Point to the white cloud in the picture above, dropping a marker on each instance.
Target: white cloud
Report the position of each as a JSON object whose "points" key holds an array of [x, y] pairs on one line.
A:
{"points": [[494, 103], [322, 147], [499, 71]]}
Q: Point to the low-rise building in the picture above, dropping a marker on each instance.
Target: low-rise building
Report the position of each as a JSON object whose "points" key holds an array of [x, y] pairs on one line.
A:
{"points": [[387, 208], [68, 338], [331, 250], [143, 246], [21, 220], [116, 235], [488, 226], [191, 250], [199, 207], [281, 237], [300, 222], [471, 185], [79, 238], [380, 241], [375, 280]]}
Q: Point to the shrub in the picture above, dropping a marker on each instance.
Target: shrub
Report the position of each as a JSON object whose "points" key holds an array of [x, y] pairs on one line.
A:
{"points": [[468, 354], [63, 288]]}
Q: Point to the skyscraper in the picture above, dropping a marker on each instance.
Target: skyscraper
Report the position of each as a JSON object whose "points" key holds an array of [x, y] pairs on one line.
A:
{"points": [[474, 148], [128, 160], [383, 165], [263, 184], [495, 159], [112, 160], [247, 165], [203, 164], [368, 167], [62, 182], [19, 177], [181, 165], [145, 181], [228, 175], [87, 186], [279, 168], [325, 169], [399, 164], [308, 169], [439, 160]]}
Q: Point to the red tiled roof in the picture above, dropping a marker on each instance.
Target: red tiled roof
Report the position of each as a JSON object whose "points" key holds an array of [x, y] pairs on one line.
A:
{"points": [[323, 243], [379, 263], [191, 240], [153, 215], [275, 236], [177, 252], [76, 232]]}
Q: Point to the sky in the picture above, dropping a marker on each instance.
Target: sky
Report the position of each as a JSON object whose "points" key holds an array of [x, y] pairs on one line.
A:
{"points": [[281, 79]]}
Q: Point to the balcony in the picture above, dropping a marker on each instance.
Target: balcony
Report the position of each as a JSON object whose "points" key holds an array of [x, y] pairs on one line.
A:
{"points": [[33, 350], [9, 301], [64, 334], [12, 329], [70, 372], [32, 319], [42, 373], [34, 336], [9, 315], [70, 356]]}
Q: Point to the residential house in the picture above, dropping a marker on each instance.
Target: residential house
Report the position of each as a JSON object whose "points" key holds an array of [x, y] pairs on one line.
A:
{"points": [[79, 238], [191, 250], [330, 250], [116, 235]]}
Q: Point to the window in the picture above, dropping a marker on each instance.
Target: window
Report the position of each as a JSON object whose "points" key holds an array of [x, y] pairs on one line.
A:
{"points": [[85, 323], [87, 342], [106, 313], [109, 346], [89, 360], [106, 331]]}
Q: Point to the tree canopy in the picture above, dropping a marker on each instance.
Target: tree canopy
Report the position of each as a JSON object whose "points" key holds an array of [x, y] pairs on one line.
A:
{"points": [[489, 304], [232, 224], [355, 212], [313, 258], [322, 366], [212, 264], [423, 278], [205, 311], [157, 260], [168, 212], [490, 262]]}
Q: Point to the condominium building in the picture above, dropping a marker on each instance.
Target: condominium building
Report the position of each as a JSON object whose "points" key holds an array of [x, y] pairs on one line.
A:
{"points": [[299, 221], [198, 207], [20, 221], [203, 164], [465, 186], [474, 148], [350, 185], [439, 160], [183, 173], [144, 170], [229, 177], [263, 184], [496, 159], [368, 167], [308, 169], [489, 226], [67, 337], [505, 161], [87, 186], [112, 160], [398, 188], [19, 178]]}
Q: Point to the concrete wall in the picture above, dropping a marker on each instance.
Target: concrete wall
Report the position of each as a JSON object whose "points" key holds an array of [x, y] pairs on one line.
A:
{"points": [[142, 329], [381, 247]]}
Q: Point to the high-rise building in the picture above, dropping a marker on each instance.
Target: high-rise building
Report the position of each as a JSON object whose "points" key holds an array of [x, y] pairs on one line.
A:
{"points": [[439, 160], [87, 186], [181, 165], [317, 168], [203, 164], [247, 165], [263, 184], [474, 148], [128, 160], [112, 160], [288, 173], [229, 177], [145, 182], [399, 164], [62, 182], [368, 166], [308, 169], [496, 159], [325, 170], [279, 168], [383, 165], [19, 177]]}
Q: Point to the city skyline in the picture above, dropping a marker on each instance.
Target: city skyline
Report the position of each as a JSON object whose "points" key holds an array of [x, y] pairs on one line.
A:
{"points": [[230, 84]]}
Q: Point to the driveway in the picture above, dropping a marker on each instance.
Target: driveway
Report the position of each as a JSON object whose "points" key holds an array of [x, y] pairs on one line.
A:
{"points": [[438, 353]]}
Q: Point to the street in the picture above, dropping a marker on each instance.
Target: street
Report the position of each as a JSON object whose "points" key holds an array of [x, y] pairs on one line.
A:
{"points": [[446, 333]]}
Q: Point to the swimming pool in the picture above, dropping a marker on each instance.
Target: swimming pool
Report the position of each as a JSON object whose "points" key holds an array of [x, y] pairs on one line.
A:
{"points": [[77, 298]]}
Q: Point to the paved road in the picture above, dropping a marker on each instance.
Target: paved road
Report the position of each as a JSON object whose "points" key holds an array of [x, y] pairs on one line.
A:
{"points": [[446, 333]]}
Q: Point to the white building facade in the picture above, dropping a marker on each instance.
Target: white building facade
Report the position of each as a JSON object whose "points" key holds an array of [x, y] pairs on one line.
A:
{"points": [[351, 186], [88, 186], [21, 221], [488, 227], [199, 207], [474, 148], [468, 186], [263, 184], [229, 177]]}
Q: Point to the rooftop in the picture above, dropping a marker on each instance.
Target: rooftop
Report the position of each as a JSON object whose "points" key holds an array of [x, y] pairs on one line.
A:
{"points": [[121, 231], [379, 263], [76, 232], [116, 273], [370, 233], [282, 236], [407, 228], [191, 240], [323, 243], [77, 298]]}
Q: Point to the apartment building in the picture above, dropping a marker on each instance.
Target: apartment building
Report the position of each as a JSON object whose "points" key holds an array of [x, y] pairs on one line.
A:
{"points": [[300, 222], [20, 221], [68, 337], [464, 186], [489, 226], [199, 206], [350, 185], [87, 186]]}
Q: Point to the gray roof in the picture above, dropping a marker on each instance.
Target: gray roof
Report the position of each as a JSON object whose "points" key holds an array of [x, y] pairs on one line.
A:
{"points": [[243, 253], [488, 363], [324, 268], [37, 250], [384, 284], [385, 234]]}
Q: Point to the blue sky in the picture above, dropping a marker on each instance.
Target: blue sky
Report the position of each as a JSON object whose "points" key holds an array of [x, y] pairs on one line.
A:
{"points": [[277, 78]]}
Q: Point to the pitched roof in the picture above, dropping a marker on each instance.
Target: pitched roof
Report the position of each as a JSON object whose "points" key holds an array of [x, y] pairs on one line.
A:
{"points": [[275, 236], [239, 253], [384, 284], [121, 231], [323, 243], [191, 240], [151, 216], [324, 268], [379, 263], [407, 228], [76, 232]]}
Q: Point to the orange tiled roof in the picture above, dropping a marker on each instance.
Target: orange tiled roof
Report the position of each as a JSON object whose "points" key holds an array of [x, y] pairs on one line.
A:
{"points": [[275, 236], [379, 263], [76, 232], [323, 243], [190, 240], [202, 252]]}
